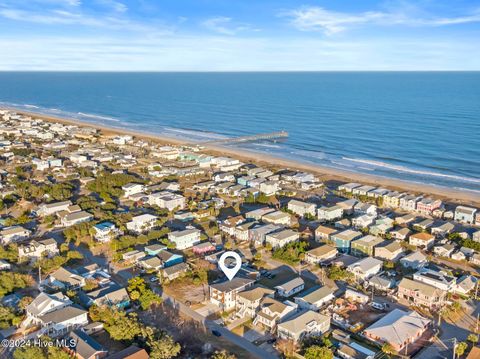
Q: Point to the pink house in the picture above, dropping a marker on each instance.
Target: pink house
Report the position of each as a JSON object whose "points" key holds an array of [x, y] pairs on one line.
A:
{"points": [[203, 248]]}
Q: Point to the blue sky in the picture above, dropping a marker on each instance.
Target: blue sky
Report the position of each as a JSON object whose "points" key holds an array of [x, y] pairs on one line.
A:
{"points": [[239, 35]]}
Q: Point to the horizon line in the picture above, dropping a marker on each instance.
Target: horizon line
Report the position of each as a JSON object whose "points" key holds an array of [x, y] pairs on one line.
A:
{"points": [[228, 71]]}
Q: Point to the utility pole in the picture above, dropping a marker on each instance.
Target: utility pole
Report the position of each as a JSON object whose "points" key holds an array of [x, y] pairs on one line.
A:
{"points": [[476, 324], [39, 278]]}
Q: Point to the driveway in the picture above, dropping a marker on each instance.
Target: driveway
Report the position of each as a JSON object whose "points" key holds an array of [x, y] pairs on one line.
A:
{"points": [[208, 309]]}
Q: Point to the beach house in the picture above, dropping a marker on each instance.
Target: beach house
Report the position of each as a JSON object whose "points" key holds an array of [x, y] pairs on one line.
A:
{"points": [[329, 214], [273, 311], [281, 238], [13, 234], [302, 208], [422, 240], [342, 240], [186, 238], [465, 214], [399, 329], [249, 301], [323, 233], [365, 268], [315, 298], [427, 205], [142, 223], [389, 250], [305, 324], [105, 231], [224, 294], [290, 287], [321, 254], [421, 294], [365, 246]]}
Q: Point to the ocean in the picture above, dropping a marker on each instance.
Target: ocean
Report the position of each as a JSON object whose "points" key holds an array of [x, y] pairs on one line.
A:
{"points": [[416, 126]]}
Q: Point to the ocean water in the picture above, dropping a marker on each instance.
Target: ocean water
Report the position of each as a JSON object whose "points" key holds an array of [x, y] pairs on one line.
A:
{"points": [[415, 126]]}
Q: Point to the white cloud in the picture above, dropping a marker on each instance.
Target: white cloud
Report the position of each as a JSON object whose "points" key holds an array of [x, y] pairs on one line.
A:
{"points": [[224, 25], [313, 18], [219, 53]]}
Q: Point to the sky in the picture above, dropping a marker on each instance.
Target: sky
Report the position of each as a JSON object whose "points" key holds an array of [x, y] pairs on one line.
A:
{"points": [[239, 35]]}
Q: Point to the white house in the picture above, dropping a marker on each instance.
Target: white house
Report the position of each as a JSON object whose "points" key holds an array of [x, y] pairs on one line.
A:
{"points": [[365, 208], [224, 294], [47, 209], [437, 279], [42, 304], [105, 231], [465, 214], [329, 214], [60, 321], [185, 239], [414, 260], [305, 324], [277, 217], [142, 223], [273, 311], [71, 219], [365, 268], [36, 249], [281, 238], [269, 187], [422, 240], [13, 234], [302, 208], [315, 298], [167, 200], [133, 188], [291, 287]]}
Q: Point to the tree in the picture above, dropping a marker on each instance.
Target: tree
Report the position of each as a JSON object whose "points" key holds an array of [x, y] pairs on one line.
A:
{"points": [[473, 338], [8, 317], [223, 354], [337, 273], [138, 290], [9, 281], [162, 346], [29, 352], [388, 349], [318, 352], [460, 349]]}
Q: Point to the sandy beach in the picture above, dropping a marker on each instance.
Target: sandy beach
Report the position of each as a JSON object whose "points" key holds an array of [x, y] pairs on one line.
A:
{"points": [[325, 173]]}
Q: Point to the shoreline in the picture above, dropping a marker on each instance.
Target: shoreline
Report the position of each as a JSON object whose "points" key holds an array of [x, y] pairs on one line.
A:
{"points": [[324, 173]]}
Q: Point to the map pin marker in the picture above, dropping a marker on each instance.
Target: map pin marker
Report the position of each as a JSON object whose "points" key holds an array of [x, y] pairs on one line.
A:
{"points": [[230, 272]]}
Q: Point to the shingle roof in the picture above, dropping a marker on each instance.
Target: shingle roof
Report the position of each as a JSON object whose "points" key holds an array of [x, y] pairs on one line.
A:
{"points": [[85, 346], [398, 326], [62, 314]]}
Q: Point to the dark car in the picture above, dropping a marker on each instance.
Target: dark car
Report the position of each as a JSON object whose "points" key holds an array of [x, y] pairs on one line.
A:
{"points": [[216, 333]]}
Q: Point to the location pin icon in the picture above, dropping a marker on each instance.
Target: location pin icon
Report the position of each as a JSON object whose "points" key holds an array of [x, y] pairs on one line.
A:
{"points": [[230, 272]]}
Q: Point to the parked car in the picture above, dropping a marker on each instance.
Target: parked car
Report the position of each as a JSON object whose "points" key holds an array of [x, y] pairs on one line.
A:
{"points": [[216, 333], [379, 306]]}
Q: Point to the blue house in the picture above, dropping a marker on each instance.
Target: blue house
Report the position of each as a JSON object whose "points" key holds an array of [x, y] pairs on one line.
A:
{"points": [[169, 259], [154, 249], [343, 240], [113, 295]]}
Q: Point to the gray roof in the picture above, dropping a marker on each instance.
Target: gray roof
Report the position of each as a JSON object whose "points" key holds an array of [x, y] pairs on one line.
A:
{"points": [[85, 346], [398, 326], [234, 284], [291, 284], [316, 294], [62, 314], [299, 323]]}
